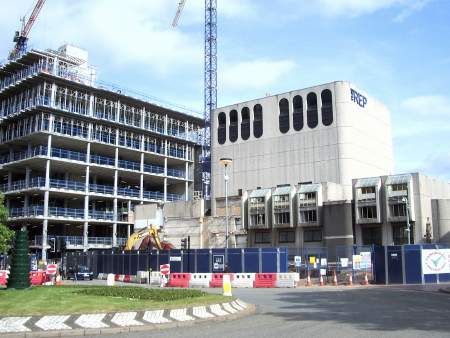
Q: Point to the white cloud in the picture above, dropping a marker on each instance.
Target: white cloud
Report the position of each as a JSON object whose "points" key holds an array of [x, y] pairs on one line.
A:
{"points": [[427, 105], [255, 74]]}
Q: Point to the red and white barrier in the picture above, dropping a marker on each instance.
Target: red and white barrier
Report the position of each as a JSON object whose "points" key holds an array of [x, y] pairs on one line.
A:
{"points": [[4, 277], [37, 277], [201, 280], [217, 279], [243, 280], [179, 280], [265, 280]]}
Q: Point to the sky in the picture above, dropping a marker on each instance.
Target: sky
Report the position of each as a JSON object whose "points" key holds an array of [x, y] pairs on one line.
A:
{"points": [[395, 50]]}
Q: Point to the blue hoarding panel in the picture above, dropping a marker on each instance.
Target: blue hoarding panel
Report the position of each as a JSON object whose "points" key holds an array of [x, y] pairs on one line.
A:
{"points": [[413, 269]]}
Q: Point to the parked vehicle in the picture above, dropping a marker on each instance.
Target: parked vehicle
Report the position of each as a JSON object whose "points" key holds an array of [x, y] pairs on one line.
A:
{"points": [[80, 272]]}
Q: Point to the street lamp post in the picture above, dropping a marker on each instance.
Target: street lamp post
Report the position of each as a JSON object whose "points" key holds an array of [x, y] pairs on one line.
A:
{"points": [[226, 162], [408, 229]]}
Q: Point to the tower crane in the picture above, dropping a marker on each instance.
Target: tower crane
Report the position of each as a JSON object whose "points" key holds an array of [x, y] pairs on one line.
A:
{"points": [[21, 38], [210, 85]]}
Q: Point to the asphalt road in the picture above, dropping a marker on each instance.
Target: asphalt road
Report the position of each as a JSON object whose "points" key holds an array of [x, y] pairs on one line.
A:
{"points": [[333, 312]]}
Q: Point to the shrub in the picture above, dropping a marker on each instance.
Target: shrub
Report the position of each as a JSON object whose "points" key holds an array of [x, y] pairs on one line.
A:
{"points": [[156, 295]]}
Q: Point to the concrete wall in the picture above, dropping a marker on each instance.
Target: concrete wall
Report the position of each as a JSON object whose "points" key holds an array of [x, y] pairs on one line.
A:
{"points": [[357, 144], [441, 218]]}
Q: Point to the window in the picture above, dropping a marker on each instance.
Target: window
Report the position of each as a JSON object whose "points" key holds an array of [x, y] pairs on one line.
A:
{"points": [[371, 235], [283, 118], [258, 220], [398, 210], [308, 216], [312, 235], [222, 129], [286, 237], [282, 218], [257, 121], [311, 113], [245, 124], [297, 116], [233, 130], [327, 107], [399, 187], [369, 212], [262, 237], [367, 190]]}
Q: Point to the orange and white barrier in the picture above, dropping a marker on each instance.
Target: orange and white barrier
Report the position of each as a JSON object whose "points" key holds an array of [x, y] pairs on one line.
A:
{"points": [[308, 280], [243, 280], [3, 277], [201, 280], [366, 280], [321, 283]]}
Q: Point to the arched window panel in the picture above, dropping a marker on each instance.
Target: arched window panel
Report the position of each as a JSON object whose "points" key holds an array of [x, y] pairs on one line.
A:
{"points": [[257, 121], [283, 118], [233, 129], [297, 115], [245, 123], [327, 107], [312, 114], [222, 128]]}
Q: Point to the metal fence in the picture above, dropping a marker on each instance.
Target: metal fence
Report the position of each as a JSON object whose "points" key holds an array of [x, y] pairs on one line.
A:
{"points": [[194, 261]]}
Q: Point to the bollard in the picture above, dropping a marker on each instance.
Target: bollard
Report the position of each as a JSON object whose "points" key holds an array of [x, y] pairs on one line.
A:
{"points": [[350, 280], [308, 280], [227, 286], [321, 280], [335, 283], [366, 280]]}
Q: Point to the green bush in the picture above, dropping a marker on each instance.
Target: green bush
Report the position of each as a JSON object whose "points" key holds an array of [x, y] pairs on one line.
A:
{"points": [[156, 295]]}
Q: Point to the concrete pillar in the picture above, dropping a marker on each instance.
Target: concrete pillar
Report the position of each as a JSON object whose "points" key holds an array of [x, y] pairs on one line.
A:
{"points": [[85, 236], [53, 95], [114, 230], [44, 240], [165, 189], [118, 111], [9, 180], [91, 105]]}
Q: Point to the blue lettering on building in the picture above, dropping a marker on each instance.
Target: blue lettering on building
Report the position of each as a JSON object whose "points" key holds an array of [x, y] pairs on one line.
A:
{"points": [[361, 100]]}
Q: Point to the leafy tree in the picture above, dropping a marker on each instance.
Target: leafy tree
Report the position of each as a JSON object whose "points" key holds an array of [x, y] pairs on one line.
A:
{"points": [[6, 234]]}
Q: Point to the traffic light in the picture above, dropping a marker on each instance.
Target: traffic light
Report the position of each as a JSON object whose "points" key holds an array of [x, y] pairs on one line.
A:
{"points": [[184, 243], [52, 244]]}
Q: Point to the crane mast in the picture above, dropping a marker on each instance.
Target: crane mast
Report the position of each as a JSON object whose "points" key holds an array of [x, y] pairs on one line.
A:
{"points": [[210, 86], [21, 38]]}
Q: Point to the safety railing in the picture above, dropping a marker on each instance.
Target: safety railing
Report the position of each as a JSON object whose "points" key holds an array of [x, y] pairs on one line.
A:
{"points": [[102, 160], [124, 164], [101, 215], [154, 169], [68, 185], [79, 240], [176, 153], [153, 148], [65, 212], [101, 189], [174, 197], [175, 172], [153, 195], [128, 192], [33, 211], [70, 130], [68, 154]]}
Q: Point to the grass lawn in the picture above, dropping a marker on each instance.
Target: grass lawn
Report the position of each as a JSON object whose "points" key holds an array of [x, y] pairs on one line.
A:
{"points": [[44, 300]]}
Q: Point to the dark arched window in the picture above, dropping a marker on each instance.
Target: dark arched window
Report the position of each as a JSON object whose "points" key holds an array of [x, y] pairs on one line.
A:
{"points": [[311, 113], [297, 115], [283, 118], [245, 123], [222, 128], [327, 107], [257, 121], [233, 130]]}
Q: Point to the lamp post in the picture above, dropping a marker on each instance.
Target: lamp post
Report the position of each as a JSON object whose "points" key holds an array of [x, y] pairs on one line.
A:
{"points": [[408, 229], [226, 162]]}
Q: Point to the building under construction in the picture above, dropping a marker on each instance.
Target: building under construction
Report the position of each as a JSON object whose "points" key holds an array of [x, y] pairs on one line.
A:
{"points": [[76, 157]]}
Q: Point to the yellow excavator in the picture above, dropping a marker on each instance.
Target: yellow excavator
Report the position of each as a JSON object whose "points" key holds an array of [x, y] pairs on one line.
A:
{"points": [[147, 239]]}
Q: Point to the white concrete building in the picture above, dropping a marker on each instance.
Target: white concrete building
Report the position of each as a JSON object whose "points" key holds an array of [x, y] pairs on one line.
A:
{"points": [[328, 133]]}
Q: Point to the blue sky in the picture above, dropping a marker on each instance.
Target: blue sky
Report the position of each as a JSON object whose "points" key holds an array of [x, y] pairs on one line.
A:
{"points": [[396, 50]]}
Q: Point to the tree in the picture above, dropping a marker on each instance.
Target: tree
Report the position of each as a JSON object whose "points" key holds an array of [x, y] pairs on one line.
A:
{"points": [[6, 234]]}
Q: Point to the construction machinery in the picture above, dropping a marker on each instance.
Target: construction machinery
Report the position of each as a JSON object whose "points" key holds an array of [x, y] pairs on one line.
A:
{"points": [[21, 37], [147, 239]]}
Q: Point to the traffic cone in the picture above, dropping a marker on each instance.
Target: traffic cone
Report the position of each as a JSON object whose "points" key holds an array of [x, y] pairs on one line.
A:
{"points": [[366, 280], [321, 280], [350, 280], [335, 283], [308, 280]]}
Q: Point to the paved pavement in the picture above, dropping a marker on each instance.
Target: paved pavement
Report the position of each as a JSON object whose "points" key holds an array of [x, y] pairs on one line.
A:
{"points": [[406, 311]]}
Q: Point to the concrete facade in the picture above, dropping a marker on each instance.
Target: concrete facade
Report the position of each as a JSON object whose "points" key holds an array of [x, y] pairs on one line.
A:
{"points": [[76, 157], [328, 133], [380, 209]]}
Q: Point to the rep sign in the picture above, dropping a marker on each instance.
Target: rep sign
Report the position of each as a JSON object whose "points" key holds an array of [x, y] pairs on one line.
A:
{"points": [[356, 97], [435, 261]]}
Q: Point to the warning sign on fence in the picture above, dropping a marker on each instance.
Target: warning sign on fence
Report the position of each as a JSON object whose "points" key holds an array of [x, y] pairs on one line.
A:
{"points": [[366, 259], [435, 261]]}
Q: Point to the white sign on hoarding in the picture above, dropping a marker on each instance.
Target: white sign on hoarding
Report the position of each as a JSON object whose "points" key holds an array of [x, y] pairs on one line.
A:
{"points": [[435, 261], [298, 261], [366, 259], [344, 262]]}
